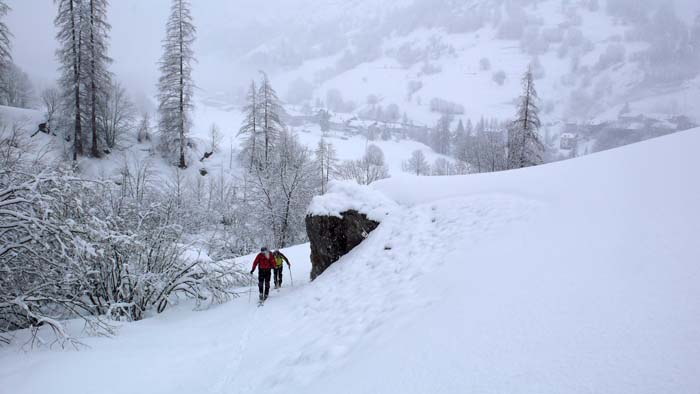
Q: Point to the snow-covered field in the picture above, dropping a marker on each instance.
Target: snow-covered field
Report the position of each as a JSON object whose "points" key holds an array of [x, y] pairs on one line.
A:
{"points": [[576, 277]]}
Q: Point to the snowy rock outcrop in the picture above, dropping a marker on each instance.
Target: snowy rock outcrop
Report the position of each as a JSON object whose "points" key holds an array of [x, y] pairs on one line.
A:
{"points": [[340, 220]]}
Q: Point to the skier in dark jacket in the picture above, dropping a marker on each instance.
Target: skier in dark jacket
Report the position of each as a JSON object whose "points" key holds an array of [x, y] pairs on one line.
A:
{"points": [[265, 262], [280, 259]]}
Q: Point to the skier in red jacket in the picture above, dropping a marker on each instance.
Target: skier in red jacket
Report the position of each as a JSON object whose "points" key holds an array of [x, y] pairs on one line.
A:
{"points": [[265, 262]]}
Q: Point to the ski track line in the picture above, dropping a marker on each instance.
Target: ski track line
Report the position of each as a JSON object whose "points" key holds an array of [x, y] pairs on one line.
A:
{"points": [[388, 264], [229, 371]]}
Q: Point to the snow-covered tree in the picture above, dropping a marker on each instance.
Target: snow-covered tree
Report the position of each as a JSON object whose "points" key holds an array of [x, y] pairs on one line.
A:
{"points": [[441, 136], [417, 164], [50, 100], [295, 170], [370, 168], [97, 78], [5, 44], [443, 167], [278, 194], [324, 120], [270, 113], [215, 137], [176, 86], [115, 114], [16, 89], [524, 146], [143, 132], [251, 128], [326, 162], [70, 55]]}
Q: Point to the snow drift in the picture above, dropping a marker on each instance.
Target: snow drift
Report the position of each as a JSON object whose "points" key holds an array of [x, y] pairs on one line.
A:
{"points": [[577, 277]]}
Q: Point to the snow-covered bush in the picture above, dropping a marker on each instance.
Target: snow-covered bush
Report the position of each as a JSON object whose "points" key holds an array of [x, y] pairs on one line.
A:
{"points": [[484, 64], [370, 168], [81, 249], [499, 77]]}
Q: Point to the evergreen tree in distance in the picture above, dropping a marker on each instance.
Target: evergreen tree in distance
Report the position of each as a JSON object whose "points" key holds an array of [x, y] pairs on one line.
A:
{"points": [[175, 86], [524, 146]]}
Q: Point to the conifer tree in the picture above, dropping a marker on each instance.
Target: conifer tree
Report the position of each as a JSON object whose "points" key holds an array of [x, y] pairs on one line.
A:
{"points": [[524, 146], [175, 86], [70, 55], [5, 45], [97, 78], [251, 128], [270, 111]]}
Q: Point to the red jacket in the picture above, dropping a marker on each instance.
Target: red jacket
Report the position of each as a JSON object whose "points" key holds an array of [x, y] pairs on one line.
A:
{"points": [[265, 263]]}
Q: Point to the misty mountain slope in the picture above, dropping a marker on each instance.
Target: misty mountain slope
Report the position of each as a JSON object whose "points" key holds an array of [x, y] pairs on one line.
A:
{"points": [[579, 276], [590, 58]]}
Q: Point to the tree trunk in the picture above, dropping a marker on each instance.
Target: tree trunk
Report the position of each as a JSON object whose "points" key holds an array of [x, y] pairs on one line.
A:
{"points": [[78, 133], [183, 164], [93, 85]]}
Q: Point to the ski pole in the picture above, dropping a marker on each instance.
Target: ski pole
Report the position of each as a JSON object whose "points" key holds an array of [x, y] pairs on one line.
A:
{"points": [[290, 275], [250, 287]]}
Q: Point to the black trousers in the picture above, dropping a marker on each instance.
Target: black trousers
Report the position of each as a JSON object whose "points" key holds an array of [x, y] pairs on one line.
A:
{"points": [[278, 276], [264, 281]]}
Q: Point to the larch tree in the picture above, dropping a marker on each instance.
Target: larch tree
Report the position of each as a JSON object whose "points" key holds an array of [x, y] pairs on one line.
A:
{"points": [[524, 146], [5, 44], [70, 55], [97, 78], [326, 161], [176, 86], [270, 111], [251, 128]]}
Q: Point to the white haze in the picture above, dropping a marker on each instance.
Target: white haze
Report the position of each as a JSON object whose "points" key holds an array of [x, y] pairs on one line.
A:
{"points": [[226, 31]]}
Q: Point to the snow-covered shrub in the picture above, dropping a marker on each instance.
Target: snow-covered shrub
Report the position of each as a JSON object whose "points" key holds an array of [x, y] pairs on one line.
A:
{"points": [[484, 64], [80, 249], [499, 77], [416, 164], [370, 168]]}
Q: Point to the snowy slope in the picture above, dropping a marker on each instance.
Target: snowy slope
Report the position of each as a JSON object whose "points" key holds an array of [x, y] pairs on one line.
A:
{"points": [[577, 277], [588, 60]]}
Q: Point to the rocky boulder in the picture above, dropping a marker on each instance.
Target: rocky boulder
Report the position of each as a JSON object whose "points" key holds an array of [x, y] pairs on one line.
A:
{"points": [[332, 237]]}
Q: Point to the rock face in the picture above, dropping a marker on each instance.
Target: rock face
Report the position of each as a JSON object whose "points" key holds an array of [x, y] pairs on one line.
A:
{"points": [[332, 237]]}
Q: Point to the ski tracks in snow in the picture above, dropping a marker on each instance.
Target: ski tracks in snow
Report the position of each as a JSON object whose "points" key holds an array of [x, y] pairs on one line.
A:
{"points": [[314, 330]]}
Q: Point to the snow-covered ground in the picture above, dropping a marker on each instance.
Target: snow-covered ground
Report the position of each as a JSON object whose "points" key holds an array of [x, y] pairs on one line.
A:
{"points": [[578, 277]]}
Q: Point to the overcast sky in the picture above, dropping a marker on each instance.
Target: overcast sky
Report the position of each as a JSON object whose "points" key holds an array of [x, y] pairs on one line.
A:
{"points": [[137, 30]]}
